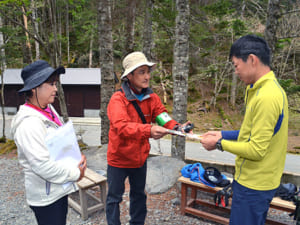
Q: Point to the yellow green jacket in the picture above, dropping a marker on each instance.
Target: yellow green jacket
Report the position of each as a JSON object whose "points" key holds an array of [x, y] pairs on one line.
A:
{"points": [[260, 150]]}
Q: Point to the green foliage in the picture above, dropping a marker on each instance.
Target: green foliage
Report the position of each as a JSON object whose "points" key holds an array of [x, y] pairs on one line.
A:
{"points": [[217, 123], [220, 8], [213, 27], [3, 139], [294, 122], [222, 25], [238, 27], [14, 2], [223, 114], [189, 111], [294, 89], [156, 79], [164, 14], [289, 86], [7, 147], [281, 43]]}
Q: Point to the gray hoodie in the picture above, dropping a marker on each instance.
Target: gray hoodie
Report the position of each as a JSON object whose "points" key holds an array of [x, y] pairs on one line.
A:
{"points": [[44, 178]]}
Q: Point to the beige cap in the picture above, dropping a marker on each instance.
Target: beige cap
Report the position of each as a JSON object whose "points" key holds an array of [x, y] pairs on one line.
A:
{"points": [[133, 61]]}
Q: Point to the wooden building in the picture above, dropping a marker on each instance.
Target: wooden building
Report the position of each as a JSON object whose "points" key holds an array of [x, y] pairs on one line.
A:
{"points": [[81, 87]]}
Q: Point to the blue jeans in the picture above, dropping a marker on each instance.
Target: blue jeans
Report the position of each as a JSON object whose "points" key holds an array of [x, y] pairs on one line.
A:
{"points": [[116, 187], [55, 213], [249, 207]]}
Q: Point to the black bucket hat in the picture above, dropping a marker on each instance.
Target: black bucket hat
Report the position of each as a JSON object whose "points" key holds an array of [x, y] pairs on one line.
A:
{"points": [[37, 73]]}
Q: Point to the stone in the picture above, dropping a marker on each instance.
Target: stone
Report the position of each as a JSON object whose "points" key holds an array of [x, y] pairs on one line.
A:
{"points": [[162, 174]]}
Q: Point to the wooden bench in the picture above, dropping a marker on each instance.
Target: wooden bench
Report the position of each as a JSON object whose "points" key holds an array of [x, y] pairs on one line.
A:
{"points": [[91, 180], [188, 205]]}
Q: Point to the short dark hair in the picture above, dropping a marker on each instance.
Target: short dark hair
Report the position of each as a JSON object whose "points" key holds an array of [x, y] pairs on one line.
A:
{"points": [[52, 78], [251, 44], [28, 94]]}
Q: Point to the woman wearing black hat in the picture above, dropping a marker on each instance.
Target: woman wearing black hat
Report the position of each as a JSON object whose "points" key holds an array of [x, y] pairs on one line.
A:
{"points": [[44, 178]]}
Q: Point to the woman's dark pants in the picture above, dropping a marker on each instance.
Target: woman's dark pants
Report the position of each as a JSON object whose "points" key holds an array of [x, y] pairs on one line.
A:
{"points": [[55, 213]]}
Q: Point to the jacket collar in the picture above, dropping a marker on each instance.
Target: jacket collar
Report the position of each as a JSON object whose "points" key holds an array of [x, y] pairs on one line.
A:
{"points": [[268, 76], [24, 112], [130, 95]]}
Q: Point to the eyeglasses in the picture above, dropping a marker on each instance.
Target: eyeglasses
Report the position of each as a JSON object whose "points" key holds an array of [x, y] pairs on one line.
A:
{"points": [[143, 72]]}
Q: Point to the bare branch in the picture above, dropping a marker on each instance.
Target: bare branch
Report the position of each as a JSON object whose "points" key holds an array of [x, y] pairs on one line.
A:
{"points": [[290, 12], [292, 36]]}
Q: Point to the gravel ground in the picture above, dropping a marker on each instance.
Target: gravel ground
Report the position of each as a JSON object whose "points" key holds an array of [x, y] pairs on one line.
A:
{"points": [[162, 208]]}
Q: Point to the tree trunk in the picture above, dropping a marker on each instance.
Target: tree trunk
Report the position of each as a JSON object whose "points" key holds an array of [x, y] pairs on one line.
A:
{"points": [[67, 31], [162, 82], [106, 64], [148, 30], [272, 23], [28, 53], [130, 24], [2, 69], [36, 27], [91, 52], [56, 59], [219, 81], [180, 72], [53, 20], [59, 34], [233, 90]]}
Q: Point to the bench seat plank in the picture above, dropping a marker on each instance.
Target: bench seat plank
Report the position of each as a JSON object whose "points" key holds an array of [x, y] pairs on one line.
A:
{"points": [[90, 179]]}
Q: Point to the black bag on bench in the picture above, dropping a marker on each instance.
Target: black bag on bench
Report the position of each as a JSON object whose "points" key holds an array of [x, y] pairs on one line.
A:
{"points": [[286, 191]]}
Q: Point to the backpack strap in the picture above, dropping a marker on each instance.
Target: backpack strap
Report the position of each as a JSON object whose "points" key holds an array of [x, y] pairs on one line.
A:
{"points": [[138, 109]]}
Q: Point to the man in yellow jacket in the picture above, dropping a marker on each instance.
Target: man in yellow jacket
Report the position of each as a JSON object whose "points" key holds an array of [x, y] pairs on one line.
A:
{"points": [[260, 144]]}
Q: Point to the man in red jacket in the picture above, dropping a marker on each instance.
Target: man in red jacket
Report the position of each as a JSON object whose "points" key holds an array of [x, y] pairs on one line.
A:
{"points": [[129, 134]]}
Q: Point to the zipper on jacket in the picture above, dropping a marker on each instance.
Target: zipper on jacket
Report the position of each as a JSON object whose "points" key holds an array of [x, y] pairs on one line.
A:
{"points": [[240, 170], [48, 186]]}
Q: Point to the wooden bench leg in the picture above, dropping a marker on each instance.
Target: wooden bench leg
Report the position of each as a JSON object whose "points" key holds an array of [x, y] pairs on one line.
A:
{"points": [[103, 194], [193, 196], [194, 193], [183, 198], [83, 203]]}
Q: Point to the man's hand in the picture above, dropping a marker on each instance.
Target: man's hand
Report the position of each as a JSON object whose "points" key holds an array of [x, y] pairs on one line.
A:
{"points": [[158, 132], [188, 125], [82, 167], [210, 139]]}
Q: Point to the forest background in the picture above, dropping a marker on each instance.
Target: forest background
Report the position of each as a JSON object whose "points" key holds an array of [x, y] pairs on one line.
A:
{"points": [[75, 33]]}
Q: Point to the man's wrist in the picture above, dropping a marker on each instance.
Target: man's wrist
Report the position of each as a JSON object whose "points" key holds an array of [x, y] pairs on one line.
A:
{"points": [[219, 145]]}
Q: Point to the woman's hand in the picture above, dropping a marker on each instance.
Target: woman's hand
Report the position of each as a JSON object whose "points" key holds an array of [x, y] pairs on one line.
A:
{"points": [[82, 167]]}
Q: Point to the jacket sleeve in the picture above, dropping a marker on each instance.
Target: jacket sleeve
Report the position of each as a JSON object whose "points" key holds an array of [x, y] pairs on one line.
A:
{"points": [[31, 135], [230, 134], [264, 117], [160, 108], [126, 125]]}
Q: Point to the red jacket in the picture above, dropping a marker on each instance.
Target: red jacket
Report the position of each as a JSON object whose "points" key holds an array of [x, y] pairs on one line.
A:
{"points": [[128, 145]]}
